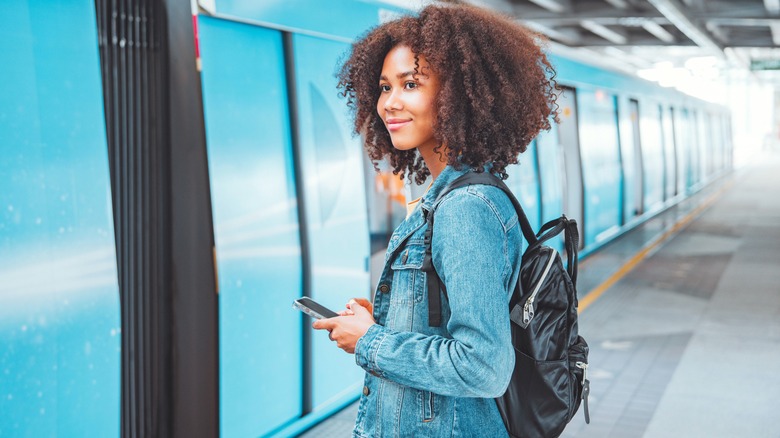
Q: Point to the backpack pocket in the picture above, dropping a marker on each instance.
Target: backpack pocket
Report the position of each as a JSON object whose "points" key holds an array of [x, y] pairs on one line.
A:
{"points": [[578, 370], [536, 404]]}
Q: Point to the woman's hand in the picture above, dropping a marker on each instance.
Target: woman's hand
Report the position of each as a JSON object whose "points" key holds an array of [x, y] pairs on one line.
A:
{"points": [[345, 330], [362, 301]]}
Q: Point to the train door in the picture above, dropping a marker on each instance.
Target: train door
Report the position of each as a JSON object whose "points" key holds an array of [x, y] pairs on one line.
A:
{"points": [[716, 130], [630, 150], [729, 147], [255, 211], [695, 158], [681, 141], [331, 162], [568, 135], [524, 182], [670, 155], [711, 147], [600, 158], [549, 155], [703, 146], [652, 157], [689, 148]]}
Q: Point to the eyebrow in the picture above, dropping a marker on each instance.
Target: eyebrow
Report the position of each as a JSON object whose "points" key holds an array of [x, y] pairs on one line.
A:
{"points": [[399, 75]]}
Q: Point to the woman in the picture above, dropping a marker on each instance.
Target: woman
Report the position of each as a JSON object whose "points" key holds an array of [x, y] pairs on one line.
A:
{"points": [[451, 90]]}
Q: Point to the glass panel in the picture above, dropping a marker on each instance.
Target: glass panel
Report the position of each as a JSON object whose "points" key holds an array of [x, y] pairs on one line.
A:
{"points": [[600, 152], [550, 159], [652, 156], [524, 182], [629, 124], [670, 161], [255, 226], [332, 163], [704, 144], [59, 298]]}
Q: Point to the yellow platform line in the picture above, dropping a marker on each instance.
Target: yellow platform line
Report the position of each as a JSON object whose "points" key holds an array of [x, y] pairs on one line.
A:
{"points": [[627, 267]]}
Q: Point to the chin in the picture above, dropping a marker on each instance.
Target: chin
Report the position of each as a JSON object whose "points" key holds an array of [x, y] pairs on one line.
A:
{"points": [[403, 146]]}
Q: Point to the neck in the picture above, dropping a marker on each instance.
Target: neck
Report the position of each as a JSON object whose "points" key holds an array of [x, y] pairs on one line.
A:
{"points": [[435, 161]]}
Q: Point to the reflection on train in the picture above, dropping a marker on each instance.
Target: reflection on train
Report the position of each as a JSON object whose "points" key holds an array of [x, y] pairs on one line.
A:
{"points": [[293, 194]]}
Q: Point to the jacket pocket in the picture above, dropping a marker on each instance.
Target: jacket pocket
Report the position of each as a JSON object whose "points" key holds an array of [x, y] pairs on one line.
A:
{"points": [[428, 409], [410, 257], [408, 278]]}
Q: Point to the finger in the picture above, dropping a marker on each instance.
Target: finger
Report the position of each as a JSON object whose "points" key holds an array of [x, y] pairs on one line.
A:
{"points": [[363, 302], [357, 308], [324, 324], [346, 312]]}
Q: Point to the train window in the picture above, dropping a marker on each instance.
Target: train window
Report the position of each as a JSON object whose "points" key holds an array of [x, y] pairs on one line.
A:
{"points": [[601, 168], [652, 156], [670, 154], [333, 178], [631, 155], [255, 211], [703, 145], [683, 146], [59, 296], [569, 137], [549, 155], [524, 182]]}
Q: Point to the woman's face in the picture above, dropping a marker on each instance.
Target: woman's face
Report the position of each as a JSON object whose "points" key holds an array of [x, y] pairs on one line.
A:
{"points": [[406, 103]]}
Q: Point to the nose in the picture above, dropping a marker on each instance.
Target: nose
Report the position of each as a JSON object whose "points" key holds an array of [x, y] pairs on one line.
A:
{"points": [[393, 102]]}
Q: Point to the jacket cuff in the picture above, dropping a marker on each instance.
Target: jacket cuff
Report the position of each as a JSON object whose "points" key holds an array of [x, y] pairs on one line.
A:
{"points": [[367, 348]]}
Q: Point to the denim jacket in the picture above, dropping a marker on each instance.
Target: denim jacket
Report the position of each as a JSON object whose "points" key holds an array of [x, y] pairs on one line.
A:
{"points": [[426, 381]]}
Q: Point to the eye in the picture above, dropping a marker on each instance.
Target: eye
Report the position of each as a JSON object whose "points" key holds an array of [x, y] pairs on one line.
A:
{"points": [[384, 87], [410, 85]]}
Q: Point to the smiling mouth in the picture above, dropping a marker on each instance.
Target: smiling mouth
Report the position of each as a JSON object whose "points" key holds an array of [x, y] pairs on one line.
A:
{"points": [[394, 126]]}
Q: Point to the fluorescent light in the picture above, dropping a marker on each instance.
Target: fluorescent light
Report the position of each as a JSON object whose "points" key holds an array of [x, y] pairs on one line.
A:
{"points": [[550, 5], [773, 7], [679, 19], [658, 31], [604, 32], [775, 27]]}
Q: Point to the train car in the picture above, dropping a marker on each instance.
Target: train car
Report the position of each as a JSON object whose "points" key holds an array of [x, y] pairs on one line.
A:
{"points": [[294, 205]]}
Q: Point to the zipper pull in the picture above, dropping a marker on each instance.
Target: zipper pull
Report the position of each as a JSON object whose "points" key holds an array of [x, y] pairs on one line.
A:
{"points": [[584, 367], [585, 389], [528, 311]]}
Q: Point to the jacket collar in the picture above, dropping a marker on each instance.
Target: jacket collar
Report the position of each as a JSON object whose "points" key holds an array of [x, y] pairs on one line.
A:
{"points": [[417, 220], [448, 175]]}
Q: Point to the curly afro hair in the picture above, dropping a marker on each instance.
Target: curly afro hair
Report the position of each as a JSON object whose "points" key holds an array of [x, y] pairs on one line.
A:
{"points": [[497, 87]]}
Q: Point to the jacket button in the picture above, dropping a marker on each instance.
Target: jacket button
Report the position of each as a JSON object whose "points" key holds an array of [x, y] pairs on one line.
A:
{"points": [[384, 288], [366, 391]]}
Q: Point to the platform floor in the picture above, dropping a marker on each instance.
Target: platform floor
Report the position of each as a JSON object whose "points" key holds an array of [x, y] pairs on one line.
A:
{"points": [[687, 342]]}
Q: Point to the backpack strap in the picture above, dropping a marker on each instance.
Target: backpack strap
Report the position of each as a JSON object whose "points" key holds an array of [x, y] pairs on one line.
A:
{"points": [[571, 241], [435, 285]]}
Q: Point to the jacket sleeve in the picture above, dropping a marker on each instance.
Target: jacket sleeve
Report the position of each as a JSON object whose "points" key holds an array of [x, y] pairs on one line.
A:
{"points": [[471, 257]]}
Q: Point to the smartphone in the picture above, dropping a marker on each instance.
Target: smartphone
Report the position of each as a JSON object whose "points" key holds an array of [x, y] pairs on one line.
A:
{"points": [[313, 308]]}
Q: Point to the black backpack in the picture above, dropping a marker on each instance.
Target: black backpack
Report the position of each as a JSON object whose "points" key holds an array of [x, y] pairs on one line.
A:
{"points": [[551, 359]]}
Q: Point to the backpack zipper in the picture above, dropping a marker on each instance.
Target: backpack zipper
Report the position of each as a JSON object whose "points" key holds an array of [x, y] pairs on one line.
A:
{"points": [[585, 388], [528, 308]]}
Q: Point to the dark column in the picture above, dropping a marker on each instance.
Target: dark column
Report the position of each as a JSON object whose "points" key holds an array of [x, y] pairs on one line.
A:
{"points": [[195, 311], [133, 46], [162, 219]]}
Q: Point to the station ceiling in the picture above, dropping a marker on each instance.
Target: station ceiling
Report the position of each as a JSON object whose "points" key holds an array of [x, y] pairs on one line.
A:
{"points": [[635, 34]]}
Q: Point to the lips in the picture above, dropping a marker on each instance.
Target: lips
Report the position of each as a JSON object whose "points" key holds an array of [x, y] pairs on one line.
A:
{"points": [[396, 124]]}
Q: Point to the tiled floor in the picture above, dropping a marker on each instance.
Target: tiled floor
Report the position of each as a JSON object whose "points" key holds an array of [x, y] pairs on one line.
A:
{"points": [[688, 343]]}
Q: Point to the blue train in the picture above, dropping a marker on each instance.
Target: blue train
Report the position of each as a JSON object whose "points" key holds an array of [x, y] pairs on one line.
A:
{"points": [[293, 208]]}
